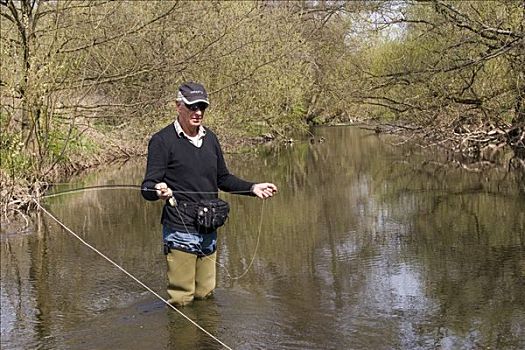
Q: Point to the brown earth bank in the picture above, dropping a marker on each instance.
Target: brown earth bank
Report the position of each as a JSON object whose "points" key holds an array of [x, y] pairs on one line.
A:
{"points": [[469, 146], [473, 148]]}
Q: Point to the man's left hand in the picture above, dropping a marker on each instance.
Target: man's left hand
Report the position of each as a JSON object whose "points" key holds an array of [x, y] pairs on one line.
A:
{"points": [[264, 190]]}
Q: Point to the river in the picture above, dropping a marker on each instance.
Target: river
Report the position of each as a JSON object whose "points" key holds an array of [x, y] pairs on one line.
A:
{"points": [[367, 245]]}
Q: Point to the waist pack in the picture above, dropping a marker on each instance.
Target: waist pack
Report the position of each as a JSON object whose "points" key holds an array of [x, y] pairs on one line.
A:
{"points": [[212, 214]]}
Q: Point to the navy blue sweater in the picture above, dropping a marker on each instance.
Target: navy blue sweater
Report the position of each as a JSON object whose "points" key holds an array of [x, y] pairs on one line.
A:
{"points": [[193, 173]]}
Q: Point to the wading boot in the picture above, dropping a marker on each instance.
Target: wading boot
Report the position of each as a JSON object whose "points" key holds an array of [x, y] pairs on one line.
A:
{"points": [[205, 276], [181, 277]]}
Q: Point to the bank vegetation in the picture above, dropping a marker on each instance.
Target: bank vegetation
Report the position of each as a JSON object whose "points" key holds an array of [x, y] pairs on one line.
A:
{"points": [[84, 83]]}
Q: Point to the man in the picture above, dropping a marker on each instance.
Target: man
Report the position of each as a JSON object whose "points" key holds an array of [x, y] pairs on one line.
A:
{"points": [[185, 168]]}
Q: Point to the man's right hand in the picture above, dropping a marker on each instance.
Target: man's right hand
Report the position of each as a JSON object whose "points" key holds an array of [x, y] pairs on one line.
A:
{"points": [[163, 192]]}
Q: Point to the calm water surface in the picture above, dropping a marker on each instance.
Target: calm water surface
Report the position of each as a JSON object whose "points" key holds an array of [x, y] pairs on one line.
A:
{"points": [[367, 246]]}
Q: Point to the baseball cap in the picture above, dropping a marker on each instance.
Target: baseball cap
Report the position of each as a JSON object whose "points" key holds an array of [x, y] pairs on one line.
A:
{"points": [[191, 93]]}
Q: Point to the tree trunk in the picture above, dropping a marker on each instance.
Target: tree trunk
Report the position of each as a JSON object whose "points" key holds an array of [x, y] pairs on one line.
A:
{"points": [[519, 117]]}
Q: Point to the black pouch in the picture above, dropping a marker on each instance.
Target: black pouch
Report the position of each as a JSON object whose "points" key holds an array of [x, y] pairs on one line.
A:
{"points": [[212, 214]]}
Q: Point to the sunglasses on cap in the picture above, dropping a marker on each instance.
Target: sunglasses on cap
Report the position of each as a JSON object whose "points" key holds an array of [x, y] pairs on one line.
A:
{"points": [[194, 107]]}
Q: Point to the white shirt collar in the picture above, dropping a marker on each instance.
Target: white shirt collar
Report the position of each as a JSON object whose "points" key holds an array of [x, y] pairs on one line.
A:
{"points": [[196, 140]]}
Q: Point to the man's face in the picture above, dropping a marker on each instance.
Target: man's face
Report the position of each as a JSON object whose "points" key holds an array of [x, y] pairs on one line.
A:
{"points": [[191, 115]]}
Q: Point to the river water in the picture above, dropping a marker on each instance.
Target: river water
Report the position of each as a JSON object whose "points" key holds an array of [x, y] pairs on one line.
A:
{"points": [[368, 245]]}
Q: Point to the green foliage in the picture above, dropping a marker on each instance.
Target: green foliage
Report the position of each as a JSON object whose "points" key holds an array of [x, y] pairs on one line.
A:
{"points": [[454, 59], [14, 161], [65, 142], [60, 143], [270, 67]]}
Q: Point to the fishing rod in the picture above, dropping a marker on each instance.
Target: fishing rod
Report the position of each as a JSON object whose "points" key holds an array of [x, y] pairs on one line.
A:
{"points": [[133, 187]]}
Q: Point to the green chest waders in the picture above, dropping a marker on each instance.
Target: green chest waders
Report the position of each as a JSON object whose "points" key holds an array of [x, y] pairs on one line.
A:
{"points": [[189, 276]]}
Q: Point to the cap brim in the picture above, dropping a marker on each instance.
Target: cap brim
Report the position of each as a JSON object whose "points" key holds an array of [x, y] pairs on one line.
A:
{"points": [[193, 102]]}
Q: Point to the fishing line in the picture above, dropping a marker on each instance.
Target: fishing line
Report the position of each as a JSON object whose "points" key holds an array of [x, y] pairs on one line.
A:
{"points": [[204, 256], [135, 187], [129, 275], [254, 251]]}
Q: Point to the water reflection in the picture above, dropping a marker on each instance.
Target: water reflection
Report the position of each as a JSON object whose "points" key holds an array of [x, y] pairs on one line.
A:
{"points": [[366, 246]]}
